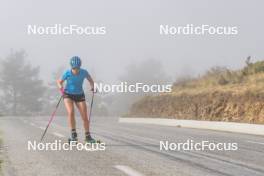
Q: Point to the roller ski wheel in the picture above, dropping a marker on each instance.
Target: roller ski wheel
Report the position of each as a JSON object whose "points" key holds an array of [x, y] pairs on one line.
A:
{"points": [[72, 140], [93, 141]]}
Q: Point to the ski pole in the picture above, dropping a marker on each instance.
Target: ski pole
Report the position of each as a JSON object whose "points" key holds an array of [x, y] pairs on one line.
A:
{"points": [[90, 113], [51, 118], [91, 107]]}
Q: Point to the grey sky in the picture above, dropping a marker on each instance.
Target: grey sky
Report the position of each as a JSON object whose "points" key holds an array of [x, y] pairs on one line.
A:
{"points": [[133, 33]]}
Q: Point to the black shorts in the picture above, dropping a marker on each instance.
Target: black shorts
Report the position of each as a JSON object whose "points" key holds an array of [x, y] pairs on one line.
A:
{"points": [[75, 97]]}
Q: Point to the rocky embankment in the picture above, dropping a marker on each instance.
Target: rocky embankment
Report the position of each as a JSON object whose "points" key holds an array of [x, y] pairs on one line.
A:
{"points": [[214, 106]]}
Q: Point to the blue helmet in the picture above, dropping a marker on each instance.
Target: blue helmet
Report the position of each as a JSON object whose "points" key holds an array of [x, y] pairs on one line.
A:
{"points": [[75, 62]]}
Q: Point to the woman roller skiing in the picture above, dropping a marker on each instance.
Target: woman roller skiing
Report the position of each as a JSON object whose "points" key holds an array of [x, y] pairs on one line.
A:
{"points": [[73, 94]]}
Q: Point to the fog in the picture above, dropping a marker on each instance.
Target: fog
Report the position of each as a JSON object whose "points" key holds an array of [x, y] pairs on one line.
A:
{"points": [[132, 35]]}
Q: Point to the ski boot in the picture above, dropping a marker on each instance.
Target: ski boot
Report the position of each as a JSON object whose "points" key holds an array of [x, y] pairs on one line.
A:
{"points": [[89, 139], [73, 137]]}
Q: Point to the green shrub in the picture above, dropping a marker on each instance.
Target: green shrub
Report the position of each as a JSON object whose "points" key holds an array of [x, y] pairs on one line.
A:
{"points": [[222, 76], [253, 68], [222, 80]]}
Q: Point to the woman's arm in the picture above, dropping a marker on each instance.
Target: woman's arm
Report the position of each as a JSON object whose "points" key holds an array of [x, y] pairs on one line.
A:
{"points": [[60, 85]]}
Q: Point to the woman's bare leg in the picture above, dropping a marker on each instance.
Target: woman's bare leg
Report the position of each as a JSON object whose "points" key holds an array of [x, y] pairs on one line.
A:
{"points": [[70, 110], [83, 111]]}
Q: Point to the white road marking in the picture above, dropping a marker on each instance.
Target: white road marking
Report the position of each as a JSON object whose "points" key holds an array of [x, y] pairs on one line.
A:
{"points": [[254, 142], [41, 128], [58, 134], [32, 124], [129, 171]]}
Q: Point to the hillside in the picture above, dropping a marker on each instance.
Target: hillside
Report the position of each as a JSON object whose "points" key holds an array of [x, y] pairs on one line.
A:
{"points": [[220, 95]]}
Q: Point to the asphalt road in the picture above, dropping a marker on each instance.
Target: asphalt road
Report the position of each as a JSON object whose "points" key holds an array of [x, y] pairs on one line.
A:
{"points": [[131, 149]]}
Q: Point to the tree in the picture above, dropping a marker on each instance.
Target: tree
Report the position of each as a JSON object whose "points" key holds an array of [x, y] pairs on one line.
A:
{"points": [[22, 90], [53, 90]]}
